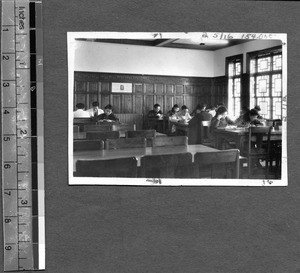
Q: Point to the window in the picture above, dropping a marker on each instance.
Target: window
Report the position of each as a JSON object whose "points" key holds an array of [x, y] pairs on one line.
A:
{"points": [[266, 82], [234, 66]]}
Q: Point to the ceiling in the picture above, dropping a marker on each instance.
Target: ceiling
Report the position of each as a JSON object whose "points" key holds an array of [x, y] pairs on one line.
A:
{"points": [[174, 43]]}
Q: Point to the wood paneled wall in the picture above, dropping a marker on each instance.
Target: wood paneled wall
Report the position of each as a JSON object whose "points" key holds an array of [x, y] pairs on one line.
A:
{"points": [[147, 90]]}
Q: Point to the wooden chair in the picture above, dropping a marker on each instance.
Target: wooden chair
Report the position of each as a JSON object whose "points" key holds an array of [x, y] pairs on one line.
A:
{"points": [[75, 129], [170, 141], [220, 164], [121, 167], [97, 128], [123, 127], [102, 135], [205, 137], [257, 149], [123, 143], [87, 145], [167, 166], [148, 134]]}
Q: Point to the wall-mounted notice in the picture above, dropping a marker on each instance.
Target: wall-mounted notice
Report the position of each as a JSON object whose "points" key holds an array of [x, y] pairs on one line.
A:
{"points": [[117, 87]]}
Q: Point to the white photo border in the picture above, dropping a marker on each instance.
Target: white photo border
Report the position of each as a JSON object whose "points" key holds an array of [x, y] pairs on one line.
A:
{"points": [[71, 46]]}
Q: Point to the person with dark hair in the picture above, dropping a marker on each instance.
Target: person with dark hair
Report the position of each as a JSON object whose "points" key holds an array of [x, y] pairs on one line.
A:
{"points": [[182, 116], [95, 110], [156, 112], [80, 113], [252, 118], [201, 113], [240, 121], [107, 116], [260, 117], [221, 119], [173, 111]]}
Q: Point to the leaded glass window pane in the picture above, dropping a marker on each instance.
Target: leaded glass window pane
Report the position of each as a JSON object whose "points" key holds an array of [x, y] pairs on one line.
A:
{"points": [[264, 64], [276, 85], [265, 106], [237, 68], [277, 108], [252, 66], [277, 62], [237, 87], [230, 69], [262, 86]]}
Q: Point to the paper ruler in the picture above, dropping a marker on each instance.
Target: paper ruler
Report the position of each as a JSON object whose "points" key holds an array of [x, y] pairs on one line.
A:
{"points": [[22, 135]]}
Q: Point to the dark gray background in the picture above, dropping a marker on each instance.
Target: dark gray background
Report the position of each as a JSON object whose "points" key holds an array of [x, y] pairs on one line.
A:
{"points": [[151, 229]]}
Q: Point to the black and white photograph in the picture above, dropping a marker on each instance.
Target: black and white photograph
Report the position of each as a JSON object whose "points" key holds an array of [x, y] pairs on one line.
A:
{"points": [[177, 109]]}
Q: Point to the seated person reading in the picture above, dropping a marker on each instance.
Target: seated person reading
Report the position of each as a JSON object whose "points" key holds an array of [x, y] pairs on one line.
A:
{"points": [[156, 112], [80, 113], [183, 116], [107, 116], [221, 120], [240, 121], [95, 110], [201, 113], [173, 111], [260, 117], [250, 119]]}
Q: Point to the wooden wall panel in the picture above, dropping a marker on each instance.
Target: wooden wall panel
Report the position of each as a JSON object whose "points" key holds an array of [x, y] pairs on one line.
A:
{"points": [[126, 104], [148, 90]]}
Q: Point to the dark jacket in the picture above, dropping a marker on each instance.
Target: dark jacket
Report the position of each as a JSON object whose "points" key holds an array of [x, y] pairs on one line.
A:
{"points": [[107, 117], [153, 114]]}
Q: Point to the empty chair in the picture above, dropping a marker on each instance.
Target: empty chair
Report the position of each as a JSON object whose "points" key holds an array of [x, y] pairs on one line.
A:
{"points": [[102, 135], [148, 134], [258, 149], [170, 141], [220, 164], [87, 145], [123, 127], [121, 167], [123, 143], [97, 127], [167, 166]]}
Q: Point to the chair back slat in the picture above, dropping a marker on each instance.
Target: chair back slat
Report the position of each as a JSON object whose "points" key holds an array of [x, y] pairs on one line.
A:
{"points": [[148, 134], [102, 135], [123, 143], [167, 166], [219, 164], [121, 167], [123, 127], [97, 128], [170, 141], [87, 145]]}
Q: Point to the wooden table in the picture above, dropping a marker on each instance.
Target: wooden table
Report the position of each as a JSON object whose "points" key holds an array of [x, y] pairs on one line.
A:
{"points": [[239, 136], [139, 153], [82, 135]]}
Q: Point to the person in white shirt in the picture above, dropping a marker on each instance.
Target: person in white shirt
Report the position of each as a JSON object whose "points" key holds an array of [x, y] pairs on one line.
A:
{"points": [[95, 111], [80, 113], [182, 116]]}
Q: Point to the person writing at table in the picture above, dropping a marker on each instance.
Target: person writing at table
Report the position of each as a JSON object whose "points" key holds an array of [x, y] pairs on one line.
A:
{"points": [[95, 111], [221, 120], [250, 119], [107, 116], [175, 109], [183, 116], [80, 113]]}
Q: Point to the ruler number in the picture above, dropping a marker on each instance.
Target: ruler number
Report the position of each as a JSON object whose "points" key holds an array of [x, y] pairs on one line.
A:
{"points": [[8, 248], [23, 132], [24, 202], [7, 221], [7, 166], [6, 112], [5, 57], [6, 138], [7, 192], [6, 84], [5, 29]]}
